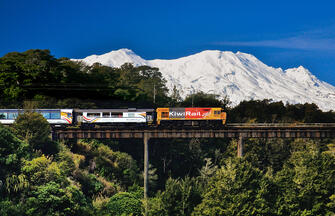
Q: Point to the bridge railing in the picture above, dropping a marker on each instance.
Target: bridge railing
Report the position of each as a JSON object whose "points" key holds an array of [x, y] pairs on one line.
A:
{"points": [[280, 124]]}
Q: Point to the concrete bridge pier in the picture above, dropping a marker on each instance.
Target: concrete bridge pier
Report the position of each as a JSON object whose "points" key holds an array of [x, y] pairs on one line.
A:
{"points": [[146, 138], [240, 145]]}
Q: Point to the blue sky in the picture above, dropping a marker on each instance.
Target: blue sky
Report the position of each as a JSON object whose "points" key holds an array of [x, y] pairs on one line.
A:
{"points": [[280, 33]]}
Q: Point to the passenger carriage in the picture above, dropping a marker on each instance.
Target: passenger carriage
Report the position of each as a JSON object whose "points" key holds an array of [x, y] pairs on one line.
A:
{"points": [[55, 117], [117, 117]]}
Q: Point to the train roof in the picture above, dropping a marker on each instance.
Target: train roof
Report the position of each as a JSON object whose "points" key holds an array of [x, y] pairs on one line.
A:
{"points": [[22, 110], [114, 110], [190, 107]]}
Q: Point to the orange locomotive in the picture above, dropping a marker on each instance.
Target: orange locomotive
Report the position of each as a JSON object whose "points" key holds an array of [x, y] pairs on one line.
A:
{"points": [[193, 116]]}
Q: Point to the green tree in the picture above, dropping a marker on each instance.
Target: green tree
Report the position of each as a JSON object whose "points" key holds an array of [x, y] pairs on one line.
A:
{"points": [[179, 197], [12, 152], [176, 99], [153, 84], [201, 99], [36, 74], [141, 83], [52, 199], [17, 184], [116, 165], [10, 208], [90, 185], [265, 153], [206, 172], [307, 184], [268, 111], [42, 170], [237, 189], [35, 129], [23, 73], [126, 203]]}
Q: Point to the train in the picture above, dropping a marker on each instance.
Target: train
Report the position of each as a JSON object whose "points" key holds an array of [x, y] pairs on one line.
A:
{"points": [[165, 116]]}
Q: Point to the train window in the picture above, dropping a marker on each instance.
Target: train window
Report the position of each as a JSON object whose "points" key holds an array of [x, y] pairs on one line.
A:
{"points": [[106, 114], [131, 115], [55, 115], [12, 115], [93, 114], [3, 115], [117, 115], [165, 114], [219, 112], [46, 115]]}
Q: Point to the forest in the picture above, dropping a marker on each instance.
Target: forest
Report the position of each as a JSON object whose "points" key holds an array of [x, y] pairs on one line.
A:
{"points": [[39, 176]]}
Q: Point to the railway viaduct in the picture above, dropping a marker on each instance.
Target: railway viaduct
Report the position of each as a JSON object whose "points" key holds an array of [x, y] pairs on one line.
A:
{"points": [[238, 131]]}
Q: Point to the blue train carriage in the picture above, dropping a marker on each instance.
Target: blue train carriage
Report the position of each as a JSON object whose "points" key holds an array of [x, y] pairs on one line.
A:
{"points": [[130, 116], [55, 117], [8, 116]]}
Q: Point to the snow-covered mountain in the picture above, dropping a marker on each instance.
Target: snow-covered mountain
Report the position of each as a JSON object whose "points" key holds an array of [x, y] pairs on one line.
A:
{"points": [[115, 58], [240, 76]]}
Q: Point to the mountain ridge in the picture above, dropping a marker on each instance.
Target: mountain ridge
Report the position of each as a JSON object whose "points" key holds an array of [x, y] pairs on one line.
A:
{"points": [[240, 76]]}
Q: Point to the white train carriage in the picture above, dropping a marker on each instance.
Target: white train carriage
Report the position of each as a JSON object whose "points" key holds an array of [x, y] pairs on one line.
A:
{"points": [[115, 116], [53, 116]]}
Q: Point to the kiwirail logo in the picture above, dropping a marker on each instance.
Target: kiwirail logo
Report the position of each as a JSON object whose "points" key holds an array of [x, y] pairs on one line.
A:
{"points": [[193, 114], [176, 114]]}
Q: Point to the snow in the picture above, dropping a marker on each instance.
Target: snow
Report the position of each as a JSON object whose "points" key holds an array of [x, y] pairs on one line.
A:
{"points": [[240, 76], [115, 58]]}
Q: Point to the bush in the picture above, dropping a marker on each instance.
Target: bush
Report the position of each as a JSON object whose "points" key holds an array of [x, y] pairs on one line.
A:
{"points": [[125, 203], [51, 199], [42, 170], [12, 151], [35, 129], [9, 208]]}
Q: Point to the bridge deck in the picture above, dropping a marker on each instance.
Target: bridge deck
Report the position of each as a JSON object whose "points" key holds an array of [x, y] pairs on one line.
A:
{"points": [[229, 131]]}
